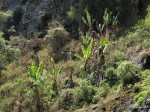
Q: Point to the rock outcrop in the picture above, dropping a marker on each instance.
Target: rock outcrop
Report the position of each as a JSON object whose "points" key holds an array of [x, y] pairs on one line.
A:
{"points": [[34, 14], [140, 55], [31, 16]]}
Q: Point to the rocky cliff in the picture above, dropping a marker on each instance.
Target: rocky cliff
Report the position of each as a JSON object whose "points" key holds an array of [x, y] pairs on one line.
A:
{"points": [[31, 16]]}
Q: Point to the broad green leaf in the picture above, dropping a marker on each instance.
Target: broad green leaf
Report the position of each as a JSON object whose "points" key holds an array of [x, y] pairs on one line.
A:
{"points": [[84, 40], [83, 51], [89, 19], [89, 48]]}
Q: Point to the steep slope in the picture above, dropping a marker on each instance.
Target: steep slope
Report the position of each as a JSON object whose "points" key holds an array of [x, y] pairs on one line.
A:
{"points": [[68, 83]]}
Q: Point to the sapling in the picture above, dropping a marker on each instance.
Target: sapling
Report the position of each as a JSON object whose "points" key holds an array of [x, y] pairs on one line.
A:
{"points": [[88, 20], [36, 79], [86, 53], [54, 75]]}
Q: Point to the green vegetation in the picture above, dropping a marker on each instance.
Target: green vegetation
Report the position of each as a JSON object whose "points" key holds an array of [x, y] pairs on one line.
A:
{"points": [[3, 18], [128, 73], [91, 74], [36, 79], [7, 52], [88, 21], [86, 53], [54, 76], [72, 13]]}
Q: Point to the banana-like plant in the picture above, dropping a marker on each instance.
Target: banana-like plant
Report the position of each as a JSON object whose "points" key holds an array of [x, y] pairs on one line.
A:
{"points": [[115, 21], [54, 75], [36, 79], [85, 39], [107, 17], [88, 20], [100, 27], [103, 43], [35, 73], [86, 53]]}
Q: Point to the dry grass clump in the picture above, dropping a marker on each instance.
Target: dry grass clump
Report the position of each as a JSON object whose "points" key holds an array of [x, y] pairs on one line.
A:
{"points": [[57, 36]]}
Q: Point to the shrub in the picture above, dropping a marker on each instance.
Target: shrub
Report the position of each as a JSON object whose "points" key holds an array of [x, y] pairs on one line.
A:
{"points": [[84, 93], [144, 91], [77, 97], [128, 73], [7, 52], [146, 74], [111, 77], [44, 18], [119, 55], [57, 38], [139, 98], [66, 99], [12, 53], [3, 18], [140, 101], [102, 91]]}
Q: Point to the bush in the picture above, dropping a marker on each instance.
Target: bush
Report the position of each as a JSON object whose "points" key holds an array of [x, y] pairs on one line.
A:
{"points": [[128, 73], [66, 99], [111, 77], [84, 93], [119, 55], [57, 38], [102, 91], [139, 98], [3, 18], [144, 89], [7, 52], [77, 97], [146, 73]]}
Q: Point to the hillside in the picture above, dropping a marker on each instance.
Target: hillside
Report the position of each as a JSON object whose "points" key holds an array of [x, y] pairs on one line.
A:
{"points": [[74, 56]]}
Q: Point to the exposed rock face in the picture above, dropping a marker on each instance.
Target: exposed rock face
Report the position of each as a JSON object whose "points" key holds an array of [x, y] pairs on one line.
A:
{"points": [[31, 16], [144, 60], [34, 14], [140, 55]]}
